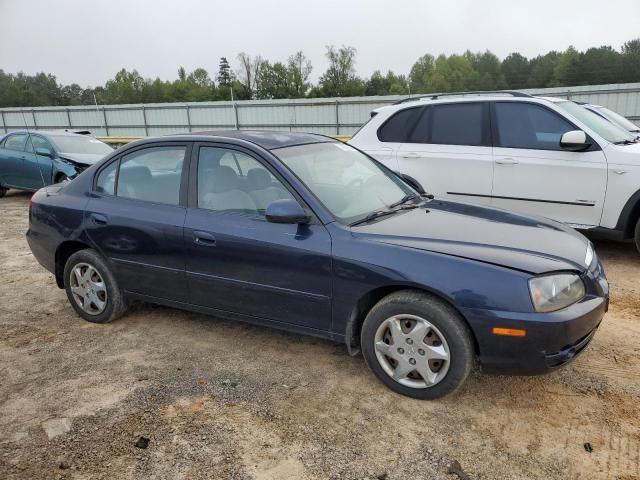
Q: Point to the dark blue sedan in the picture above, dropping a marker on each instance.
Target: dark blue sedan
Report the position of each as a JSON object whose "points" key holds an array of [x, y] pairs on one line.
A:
{"points": [[305, 233], [32, 160]]}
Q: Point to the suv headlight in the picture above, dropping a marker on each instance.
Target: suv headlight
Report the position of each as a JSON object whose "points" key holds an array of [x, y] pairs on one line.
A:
{"points": [[554, 292]]}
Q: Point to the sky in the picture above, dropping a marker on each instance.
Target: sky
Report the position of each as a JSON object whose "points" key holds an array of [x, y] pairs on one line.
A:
{"points": [[88, 41]]}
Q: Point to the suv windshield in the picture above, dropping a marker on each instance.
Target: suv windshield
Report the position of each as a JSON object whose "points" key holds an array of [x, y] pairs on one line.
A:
{"points": [[607, 130], [349, 184], [80, 144]]}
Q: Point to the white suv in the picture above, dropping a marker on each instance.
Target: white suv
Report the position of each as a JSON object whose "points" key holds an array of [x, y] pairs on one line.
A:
{"points": [[543, 156]]}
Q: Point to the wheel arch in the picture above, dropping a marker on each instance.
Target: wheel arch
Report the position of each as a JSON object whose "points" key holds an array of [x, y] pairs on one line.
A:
{"points": [[63, 252], [372, 297], [629, 215]]}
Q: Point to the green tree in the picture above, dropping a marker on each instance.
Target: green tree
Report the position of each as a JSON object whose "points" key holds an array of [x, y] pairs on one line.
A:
{"points": [[567, 68], [542, 70], [630, 69], [420, 74], [299, 70], [516, 70], [340, 79]]}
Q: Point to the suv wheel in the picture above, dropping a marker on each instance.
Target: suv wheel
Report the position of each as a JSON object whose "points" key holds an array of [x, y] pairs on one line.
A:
{"points": [[91, 288], [417, 345], [637, 235]]}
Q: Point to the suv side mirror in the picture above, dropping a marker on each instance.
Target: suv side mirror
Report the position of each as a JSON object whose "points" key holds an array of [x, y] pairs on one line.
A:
{"points": [[574, 141], [286, 211], [44, 152]]}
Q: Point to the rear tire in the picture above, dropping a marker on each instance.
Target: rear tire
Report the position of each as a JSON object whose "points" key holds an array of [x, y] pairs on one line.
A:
{"points": [[637, 235], [3, 191], [417, 345], [92, 289]]}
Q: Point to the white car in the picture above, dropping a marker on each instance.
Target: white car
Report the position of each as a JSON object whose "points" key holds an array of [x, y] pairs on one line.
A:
{"points": [[543, 156], [613, 117]]}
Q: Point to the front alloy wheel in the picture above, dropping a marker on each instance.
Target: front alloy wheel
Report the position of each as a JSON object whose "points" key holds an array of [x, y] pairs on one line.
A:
{"points": [[412, 351], [417, 345]]}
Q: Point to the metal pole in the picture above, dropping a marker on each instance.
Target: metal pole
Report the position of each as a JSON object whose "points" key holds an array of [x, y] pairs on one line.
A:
{"points": [[337, 118], [188, 117], [144, 119], [68, 118], [235, 108], [4, 122], [104, 117], [33, 114]]}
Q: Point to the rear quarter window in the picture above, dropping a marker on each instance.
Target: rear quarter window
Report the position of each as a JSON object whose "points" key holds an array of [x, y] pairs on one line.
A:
{"points": [[398, 127]]}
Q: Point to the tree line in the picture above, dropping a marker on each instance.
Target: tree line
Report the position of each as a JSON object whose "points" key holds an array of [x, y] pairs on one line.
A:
{"points": [[258, 78]]}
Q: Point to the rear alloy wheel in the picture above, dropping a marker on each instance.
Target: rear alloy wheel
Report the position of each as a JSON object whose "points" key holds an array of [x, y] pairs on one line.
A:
{"points": [[91, 288], [417, 345]]}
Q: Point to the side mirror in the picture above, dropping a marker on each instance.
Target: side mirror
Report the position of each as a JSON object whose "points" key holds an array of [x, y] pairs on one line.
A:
{"points": [[44, 152], [286, 211], [413, 183], [574, 141]]}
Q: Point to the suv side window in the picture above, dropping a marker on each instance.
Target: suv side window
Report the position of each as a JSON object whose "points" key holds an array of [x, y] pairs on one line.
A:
{"points": [[151, 174], [398, 127], [527, 125], [241, 186], [453, 124], [16, 142]]}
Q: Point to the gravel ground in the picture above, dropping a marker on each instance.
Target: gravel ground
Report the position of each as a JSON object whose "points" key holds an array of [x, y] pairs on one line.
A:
{"points": [[223, 400]]}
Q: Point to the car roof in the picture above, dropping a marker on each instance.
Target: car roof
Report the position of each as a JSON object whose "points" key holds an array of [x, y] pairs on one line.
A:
{"points": [[268, 140], [470, 97], [54, 133]]}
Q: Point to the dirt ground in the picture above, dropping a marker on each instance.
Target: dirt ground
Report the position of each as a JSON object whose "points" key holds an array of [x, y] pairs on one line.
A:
{"points": [[222, 400]]}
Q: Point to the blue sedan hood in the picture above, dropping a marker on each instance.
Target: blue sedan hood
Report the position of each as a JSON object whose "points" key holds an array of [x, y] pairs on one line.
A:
{"points": [[499, 237], [83, 158]]}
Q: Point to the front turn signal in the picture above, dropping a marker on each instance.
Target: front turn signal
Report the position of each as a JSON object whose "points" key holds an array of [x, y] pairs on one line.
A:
{"points": [[509, 332]]}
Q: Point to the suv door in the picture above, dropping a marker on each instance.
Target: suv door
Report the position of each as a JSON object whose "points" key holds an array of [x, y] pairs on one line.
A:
{"points": [[135, 218], [449, 151], [239, 262], [533, 174]]}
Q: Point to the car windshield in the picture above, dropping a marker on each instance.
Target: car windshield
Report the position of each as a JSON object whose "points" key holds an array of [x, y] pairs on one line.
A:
{"points": [[80, 144], [607, 130], [349, 184], [619, 119]]}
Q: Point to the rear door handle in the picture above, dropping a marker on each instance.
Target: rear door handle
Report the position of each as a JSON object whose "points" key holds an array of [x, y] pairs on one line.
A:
{"points": [[410, 155], [507, 161], [204, 239], [99, 219]]}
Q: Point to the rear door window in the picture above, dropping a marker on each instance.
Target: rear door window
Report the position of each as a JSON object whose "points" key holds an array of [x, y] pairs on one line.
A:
{"points": [[16, 142], [453, 124]]}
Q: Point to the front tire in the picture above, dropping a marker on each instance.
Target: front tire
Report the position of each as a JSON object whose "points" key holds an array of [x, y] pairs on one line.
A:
{"points": [[417, 345], [92, 289]]}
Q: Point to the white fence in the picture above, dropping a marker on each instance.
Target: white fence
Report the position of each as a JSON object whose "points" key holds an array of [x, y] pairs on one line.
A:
{"points": [[331, 116]]}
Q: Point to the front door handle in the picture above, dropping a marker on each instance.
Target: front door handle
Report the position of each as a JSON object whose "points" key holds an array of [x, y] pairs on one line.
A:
{"points": [[204, 239], [99, 219], [410, 155], [507, 161]]}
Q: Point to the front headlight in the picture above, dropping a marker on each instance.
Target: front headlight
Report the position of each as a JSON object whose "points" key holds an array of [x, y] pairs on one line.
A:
{"points": [[554, 292]]}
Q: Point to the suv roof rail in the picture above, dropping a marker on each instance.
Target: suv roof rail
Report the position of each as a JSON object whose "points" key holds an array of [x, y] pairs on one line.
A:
{"points": [[435, 96]]}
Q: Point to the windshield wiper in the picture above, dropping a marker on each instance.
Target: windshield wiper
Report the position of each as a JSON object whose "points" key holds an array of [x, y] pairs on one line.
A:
{"points": [[405, 199], [626, 142], [383, 213]]}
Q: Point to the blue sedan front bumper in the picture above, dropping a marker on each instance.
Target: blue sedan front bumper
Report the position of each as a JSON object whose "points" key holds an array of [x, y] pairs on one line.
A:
{"points": [[552, 339]]}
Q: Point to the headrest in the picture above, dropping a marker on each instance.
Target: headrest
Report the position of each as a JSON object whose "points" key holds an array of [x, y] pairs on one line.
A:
{"points": [[135, 173], [259, 178], [223, 179]]}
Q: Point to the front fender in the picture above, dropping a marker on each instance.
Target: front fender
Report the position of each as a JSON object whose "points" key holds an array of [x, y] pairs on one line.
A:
{"points": [[65, 169]]}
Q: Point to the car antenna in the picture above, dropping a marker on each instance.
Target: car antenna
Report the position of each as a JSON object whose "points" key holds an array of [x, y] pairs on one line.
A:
{"points": [[24, 119]]}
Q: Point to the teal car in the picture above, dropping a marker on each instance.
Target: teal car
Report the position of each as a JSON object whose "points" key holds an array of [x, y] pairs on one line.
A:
{"points": [[32, 160]]}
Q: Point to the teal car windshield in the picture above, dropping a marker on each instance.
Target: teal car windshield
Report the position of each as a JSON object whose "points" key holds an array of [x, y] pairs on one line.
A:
{"points": [[80, 145]]}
